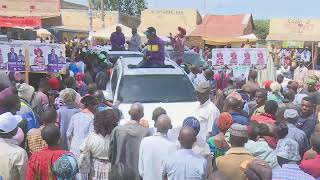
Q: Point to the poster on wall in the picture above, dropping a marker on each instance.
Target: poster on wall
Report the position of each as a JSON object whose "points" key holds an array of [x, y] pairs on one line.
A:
{"points": [[254, 57], [16, 57], [47, 57], [240, 71], [3, 57], [56, 58], [12, 57]]}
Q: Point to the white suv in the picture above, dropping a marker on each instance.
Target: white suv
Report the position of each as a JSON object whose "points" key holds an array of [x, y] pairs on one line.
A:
{"points": [[168, 87]]}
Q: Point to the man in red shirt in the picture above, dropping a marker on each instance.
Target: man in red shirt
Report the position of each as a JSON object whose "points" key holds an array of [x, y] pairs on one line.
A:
{"points": [[41, 162], [268, 117], [312, 166]]}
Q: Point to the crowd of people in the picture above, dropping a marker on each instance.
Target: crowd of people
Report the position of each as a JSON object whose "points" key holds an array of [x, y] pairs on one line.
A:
{"points": [[65, 128]]}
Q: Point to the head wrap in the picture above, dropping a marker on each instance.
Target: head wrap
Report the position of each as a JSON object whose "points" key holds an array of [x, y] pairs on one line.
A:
{"points": [[224, 121], [68, 95], [66, 167], [193, 123], [25, 91]]}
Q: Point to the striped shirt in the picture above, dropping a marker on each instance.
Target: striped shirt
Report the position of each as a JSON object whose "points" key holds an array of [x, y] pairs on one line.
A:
{"points": [[290, 172]]}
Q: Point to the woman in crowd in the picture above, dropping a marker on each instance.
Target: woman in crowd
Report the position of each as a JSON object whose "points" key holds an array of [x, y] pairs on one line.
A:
{"points": [[65, 112], [81, 124], [97, 144], [218, 144]]}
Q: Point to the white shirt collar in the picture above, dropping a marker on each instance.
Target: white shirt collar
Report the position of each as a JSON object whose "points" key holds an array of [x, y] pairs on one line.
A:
{"points": [[205, 104]]}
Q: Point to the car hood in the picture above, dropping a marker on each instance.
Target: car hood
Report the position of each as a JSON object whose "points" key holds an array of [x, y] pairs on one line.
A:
{"points": [[176, 111]]}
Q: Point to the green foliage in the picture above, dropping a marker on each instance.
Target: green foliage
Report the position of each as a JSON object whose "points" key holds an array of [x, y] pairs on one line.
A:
{"points": [[261, 28], [131, 7]]}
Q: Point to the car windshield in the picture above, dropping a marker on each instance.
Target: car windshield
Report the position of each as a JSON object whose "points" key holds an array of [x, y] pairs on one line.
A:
{"points": [[156, 88]]}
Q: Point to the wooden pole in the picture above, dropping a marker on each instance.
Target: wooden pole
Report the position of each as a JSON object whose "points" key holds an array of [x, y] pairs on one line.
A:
{"points": [[312, 56], [27, 58]]}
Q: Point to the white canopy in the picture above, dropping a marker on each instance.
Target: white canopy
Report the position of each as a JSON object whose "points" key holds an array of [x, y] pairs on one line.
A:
{"points": [[106, 33], [43, 32], [248, 36]]}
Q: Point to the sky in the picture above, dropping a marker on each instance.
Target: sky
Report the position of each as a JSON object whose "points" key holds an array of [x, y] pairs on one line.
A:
{"points": [[261, 9]]}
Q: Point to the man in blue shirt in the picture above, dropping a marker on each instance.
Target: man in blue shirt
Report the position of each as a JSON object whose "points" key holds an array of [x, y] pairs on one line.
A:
{"points": [[185, 164], [307, 120]]}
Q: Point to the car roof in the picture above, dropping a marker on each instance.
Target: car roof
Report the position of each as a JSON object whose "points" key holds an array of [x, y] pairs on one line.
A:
{"points": [[124, 62]]}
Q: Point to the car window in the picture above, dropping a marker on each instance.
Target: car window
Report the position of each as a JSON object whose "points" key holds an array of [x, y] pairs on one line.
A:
{"points": [[114, 80], [156, 88]]}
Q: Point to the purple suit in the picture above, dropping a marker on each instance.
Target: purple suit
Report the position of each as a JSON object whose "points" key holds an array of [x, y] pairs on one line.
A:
{"points": [[12, 57], [53, 59]]}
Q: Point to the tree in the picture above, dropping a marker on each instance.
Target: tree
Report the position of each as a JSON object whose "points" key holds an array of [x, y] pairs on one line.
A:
{"points": [[131, 7], [262, 28]]}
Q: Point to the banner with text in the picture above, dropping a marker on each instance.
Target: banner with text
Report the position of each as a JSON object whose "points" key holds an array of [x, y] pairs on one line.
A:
{"points": [[253, 57], [47, 57]]}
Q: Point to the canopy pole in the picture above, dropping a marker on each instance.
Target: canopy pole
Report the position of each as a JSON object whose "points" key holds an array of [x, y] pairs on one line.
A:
{"points": [[313, 59]]}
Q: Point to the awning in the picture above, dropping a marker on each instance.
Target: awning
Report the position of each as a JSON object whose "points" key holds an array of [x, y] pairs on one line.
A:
{"points": [[13, 22]]}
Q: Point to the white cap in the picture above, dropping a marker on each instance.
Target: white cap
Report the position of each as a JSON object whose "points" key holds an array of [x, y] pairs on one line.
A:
{"points": [[9, 122]]}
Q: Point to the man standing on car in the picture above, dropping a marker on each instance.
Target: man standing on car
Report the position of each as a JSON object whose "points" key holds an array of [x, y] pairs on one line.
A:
{"points": [[155, 50], [135, 42], [117, 40], [178, 42]]}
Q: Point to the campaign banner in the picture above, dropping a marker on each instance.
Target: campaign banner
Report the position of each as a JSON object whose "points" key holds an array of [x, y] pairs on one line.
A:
{"points": [[12, 57], [16, 62], [256, 57], [47, 57]]}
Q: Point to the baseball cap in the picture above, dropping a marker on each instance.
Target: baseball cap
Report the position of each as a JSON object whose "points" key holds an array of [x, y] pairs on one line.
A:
{"points": [[201, 85], [150, 31], [9, 122]]}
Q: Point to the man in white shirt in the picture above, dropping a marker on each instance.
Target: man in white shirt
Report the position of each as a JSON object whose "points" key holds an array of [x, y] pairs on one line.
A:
{"points": [[14, 159], [185, 164], [306, 55], [301, 74], [155, 149], [207, 112], [194, 71], [135, 42]]}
